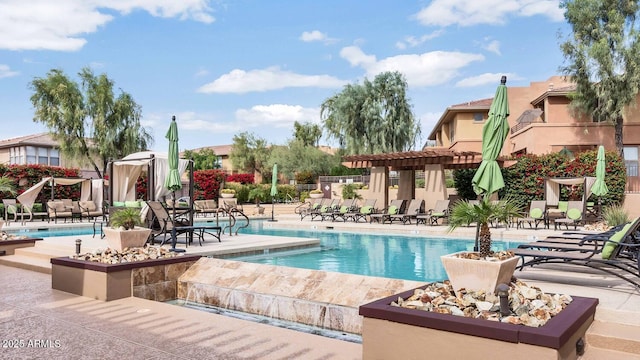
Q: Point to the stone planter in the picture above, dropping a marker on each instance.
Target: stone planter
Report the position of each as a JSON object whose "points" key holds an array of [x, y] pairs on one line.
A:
{"points": [[227, 196], [391, 332], [316, 196], [118, 239], [478, 274], [149, 279]]}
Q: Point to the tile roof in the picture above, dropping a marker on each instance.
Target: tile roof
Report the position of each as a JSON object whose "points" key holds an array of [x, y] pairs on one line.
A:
{"points": [[42, 139]]}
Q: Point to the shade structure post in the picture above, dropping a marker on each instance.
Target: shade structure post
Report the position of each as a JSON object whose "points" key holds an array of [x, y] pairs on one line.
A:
{"points": [[274, 189]]}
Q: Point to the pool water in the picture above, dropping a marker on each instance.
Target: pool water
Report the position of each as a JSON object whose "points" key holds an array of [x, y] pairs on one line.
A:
{"points": [[381, 255]]}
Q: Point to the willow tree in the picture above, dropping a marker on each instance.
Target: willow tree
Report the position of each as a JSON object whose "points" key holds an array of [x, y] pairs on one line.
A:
{"points": [[309, 134], [603, 56], [91, 123], [374, 117]]}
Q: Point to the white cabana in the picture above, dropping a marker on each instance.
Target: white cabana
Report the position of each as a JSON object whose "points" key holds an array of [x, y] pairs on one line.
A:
{"points": [[125, 173], [552, 188], [90, 189]]}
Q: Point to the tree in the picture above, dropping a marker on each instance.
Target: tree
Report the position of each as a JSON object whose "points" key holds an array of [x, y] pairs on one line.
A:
{"points": [[89, 120], [249, 152], [307, 133], [375, 117], [298, 158], [604, 59], [204, 159]]}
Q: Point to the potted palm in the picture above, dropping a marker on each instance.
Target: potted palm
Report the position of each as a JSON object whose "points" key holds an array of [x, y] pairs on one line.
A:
{"points": [[7, 185], [485, 269], [259, 194], [125, 230]]}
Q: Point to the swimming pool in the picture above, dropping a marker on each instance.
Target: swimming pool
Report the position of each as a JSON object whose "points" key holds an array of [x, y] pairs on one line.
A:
{"points": [[381, 255]]}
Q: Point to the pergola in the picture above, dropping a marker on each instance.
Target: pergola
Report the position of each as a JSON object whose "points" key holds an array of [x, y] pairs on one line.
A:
{"points": [[416, 160], [431, 160]]}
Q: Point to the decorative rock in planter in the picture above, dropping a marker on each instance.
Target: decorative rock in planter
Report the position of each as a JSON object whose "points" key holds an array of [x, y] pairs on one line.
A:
{"points": [[119, 239], [391, 332], [478, 274]]}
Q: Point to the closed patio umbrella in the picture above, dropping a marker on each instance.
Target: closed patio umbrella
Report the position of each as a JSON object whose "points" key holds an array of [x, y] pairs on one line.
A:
{"points": [[274, 187], [599, 188], [488, 179], [172, 181]]}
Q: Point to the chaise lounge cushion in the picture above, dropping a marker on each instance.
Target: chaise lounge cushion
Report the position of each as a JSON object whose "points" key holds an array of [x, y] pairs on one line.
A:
{"points": [[614, 240], [536, 213]]}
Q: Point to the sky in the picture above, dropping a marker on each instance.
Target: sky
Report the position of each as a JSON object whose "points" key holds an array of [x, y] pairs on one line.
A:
{"points": [[223, 67]]}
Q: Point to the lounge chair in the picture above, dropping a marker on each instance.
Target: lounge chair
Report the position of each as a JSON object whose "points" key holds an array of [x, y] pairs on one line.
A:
{"points": [[326, 210], [415, 207], [362, 212], [205, 207], [307, 208], [347, 206], [616, 255], [537, 214], [439, 211], [395, 206], [11, 210], [90, 210], [163, 224], [573, 216], [58, 209]]}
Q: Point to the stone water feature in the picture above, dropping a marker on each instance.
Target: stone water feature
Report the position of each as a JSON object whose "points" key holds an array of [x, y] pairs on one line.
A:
{"points": [[322, 299]]}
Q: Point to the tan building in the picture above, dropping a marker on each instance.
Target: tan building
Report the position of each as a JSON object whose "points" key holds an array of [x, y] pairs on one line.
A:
{"points": [[541, 123]]}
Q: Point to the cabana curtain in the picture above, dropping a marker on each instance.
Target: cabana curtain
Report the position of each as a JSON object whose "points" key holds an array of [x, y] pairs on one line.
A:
{"points": [[552, 188]]}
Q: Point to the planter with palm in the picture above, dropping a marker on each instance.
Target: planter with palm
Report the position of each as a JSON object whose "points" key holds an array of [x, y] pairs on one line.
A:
{"points": [[125, 230], [489, 268]]}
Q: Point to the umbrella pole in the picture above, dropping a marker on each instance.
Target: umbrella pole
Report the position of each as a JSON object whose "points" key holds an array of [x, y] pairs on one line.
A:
{"points": [[174, 236], [272, 212]]}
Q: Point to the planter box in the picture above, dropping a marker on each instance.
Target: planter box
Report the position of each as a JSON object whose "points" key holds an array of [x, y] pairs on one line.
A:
{"points": [[148, 279], [391, 332], [8, 247], [120, 239], [227, 196], [316, 196], [478, 274]]}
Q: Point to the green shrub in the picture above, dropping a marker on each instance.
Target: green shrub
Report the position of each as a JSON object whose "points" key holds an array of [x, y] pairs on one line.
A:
{"points": [[615, 215], [349, 191]]}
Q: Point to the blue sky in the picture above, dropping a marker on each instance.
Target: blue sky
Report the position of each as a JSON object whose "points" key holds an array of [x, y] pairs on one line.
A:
{"points": [[222, 67]]}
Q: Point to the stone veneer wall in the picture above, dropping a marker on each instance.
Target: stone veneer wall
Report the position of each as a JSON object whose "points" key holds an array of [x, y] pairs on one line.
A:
{"points": [[324, 299], [158, 283]]}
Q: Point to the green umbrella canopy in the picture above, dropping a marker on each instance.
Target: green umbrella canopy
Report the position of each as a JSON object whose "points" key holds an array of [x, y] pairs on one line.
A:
{"points": [[488, 178], [274, 180], [172, 181], [599, 187]]}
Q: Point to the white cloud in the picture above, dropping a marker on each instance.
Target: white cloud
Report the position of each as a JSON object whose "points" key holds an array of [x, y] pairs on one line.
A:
{"points": [[356, 57], [427, 122], [277, 115], [486, 78], [427, 69], [493, 12], [5, 72], [61, 25], [492, 46], [412, 41], [314, 35], [241, 81]]}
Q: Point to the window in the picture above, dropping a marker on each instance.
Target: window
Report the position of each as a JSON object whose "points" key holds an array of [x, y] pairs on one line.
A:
{"points": [[631, 160], [21, 155], [452, 132], [478, 117]]}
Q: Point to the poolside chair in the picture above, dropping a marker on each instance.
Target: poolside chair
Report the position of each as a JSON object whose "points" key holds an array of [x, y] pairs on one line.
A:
{"points": [[394, 207], [90, 210], [326, 210], [58, 209], [307, 208], [362, 212], [439, 211], [573, 216], [537, 214], [415, 207], [163, 224], [616, 255], [347, 206]]}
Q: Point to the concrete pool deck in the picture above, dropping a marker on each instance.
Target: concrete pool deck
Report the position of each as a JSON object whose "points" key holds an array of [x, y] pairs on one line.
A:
{"points": [[87, 328]]}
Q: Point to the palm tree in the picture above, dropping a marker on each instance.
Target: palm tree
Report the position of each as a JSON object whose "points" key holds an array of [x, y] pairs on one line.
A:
{"points": [[483, 213], [7, 185]]}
